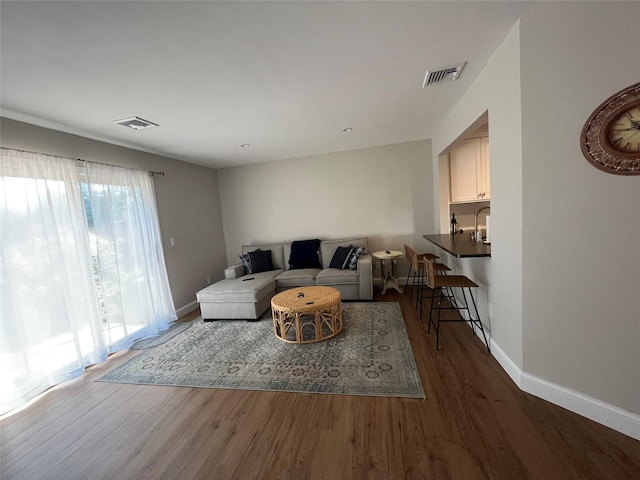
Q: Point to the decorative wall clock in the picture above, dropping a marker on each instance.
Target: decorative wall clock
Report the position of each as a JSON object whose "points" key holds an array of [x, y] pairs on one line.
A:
{"points": [[610, 139]]}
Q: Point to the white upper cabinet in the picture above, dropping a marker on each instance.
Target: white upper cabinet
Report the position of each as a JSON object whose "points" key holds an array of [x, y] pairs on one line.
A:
{"points": [[469, 170]]}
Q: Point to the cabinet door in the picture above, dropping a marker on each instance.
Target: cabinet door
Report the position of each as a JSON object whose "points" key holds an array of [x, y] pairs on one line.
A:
{"points": [[485, 177], [463, 165]]}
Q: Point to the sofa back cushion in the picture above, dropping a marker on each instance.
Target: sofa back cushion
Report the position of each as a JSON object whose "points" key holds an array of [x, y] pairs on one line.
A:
{"points": [[328, 248], [277, 254]]}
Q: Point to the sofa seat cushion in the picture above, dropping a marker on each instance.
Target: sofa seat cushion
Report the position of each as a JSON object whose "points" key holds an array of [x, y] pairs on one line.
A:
{"points": [[249, 288], [334, 276], [299, 277]]}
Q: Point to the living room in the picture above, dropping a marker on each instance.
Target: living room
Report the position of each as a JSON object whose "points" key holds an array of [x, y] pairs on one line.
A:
{"points": [[563, 330]]}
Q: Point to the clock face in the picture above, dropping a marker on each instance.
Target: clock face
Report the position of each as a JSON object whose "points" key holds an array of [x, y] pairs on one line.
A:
{"points": [[610, 138], [624, 130]]}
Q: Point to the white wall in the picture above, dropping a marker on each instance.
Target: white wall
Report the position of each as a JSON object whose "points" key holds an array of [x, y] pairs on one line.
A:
{"points": [[384, 193], [497, 90], [187, 197], [581, 263]]}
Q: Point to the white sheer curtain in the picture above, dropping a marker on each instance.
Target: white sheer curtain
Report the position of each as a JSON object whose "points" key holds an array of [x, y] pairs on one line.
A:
{"points": [[62, 305], [49, 323], [132, 280]]}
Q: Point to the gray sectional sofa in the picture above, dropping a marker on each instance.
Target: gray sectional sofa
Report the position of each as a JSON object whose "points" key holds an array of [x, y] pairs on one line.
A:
{"points": [[248, 296]]}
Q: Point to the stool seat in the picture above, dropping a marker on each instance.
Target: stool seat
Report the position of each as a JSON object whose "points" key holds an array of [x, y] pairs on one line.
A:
{"points": [[453, 281], [441, 267]]}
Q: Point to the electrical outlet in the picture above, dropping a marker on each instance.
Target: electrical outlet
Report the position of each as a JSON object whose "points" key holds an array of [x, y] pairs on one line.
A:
{"points": [[490, 311], [172, 241], [208, 280]]}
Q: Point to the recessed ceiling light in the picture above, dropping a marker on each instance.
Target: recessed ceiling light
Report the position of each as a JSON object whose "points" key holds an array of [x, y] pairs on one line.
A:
{"points": [[136, 123], [348, 129], [244, 145]]}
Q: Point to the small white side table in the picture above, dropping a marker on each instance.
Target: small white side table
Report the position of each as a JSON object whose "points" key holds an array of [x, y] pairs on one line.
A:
{"points": [[390, 275]]}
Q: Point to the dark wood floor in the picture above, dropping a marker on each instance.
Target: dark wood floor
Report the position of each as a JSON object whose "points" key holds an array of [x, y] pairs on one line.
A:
{"points": [[474, 423]]}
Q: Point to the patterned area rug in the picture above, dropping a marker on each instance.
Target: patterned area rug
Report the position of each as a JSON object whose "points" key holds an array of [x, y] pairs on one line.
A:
{"points": [[371, 356]]}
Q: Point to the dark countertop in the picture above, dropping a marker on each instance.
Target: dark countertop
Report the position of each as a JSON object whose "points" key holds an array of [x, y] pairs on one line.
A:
{"points": [[459, 245]]}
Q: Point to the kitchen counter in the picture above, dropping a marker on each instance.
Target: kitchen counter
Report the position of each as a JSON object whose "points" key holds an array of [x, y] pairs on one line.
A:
{"points": [[460, 245]]}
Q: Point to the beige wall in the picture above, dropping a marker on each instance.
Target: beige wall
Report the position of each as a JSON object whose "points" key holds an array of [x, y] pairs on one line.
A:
{"points": [[187, 196], [581, 263], [382, 192]]}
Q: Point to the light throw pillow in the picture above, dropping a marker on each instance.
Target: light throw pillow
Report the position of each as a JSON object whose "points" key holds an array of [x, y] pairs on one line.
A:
{"points": [[355, 255], [341, 258], [305, 254], [245, 261]]}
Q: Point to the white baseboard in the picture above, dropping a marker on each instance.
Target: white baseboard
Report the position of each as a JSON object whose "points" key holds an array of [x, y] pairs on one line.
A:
{"points": [[189, 307], [506, 363], [592, 408], [589, 407]]}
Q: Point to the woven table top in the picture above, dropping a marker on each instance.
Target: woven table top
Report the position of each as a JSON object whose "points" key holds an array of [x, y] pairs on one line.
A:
{"points": [[315, 298]]}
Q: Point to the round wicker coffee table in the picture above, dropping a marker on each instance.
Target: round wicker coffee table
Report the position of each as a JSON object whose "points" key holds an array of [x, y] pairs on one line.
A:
{"points": [[307, 314]]}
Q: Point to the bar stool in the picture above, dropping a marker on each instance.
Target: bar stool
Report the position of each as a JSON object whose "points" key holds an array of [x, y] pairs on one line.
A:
{"points": [[419, 266], [409, 254], [449, 282]]}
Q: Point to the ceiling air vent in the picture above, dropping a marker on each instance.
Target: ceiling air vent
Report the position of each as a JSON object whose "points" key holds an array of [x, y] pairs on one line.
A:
{"points": [[443, 75], [136, 123]]}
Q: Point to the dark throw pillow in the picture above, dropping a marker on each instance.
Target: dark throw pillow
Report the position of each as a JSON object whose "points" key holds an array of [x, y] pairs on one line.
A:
{"points": [[355, 255], [341, 258], [260, 261], [304, 254]]}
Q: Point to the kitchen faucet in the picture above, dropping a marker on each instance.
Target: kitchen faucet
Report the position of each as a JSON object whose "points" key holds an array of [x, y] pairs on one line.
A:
{"points": [[475, 220]]}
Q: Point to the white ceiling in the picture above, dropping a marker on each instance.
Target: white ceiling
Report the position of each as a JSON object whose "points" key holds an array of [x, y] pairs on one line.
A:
{"points": [[284, 77]]}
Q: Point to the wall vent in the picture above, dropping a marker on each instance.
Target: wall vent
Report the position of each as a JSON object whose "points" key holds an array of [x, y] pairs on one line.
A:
{"points": [[136, 123], [443, 75]]}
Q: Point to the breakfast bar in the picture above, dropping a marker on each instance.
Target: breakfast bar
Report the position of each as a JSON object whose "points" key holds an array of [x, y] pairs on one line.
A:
{"points": [[460, 245]]}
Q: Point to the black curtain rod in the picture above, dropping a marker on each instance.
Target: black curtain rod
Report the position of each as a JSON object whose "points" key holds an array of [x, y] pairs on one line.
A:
{"points": [[151, 172]]}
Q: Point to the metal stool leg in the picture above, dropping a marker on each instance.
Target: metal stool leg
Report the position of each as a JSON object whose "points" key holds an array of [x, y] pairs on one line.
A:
{"points": [[478, 320], [419, 297], [473, 327], [437, 327], [431, 308]]}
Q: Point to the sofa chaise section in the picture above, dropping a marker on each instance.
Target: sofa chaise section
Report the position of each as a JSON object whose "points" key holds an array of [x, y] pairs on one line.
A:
{"points": [[245, 298]]}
